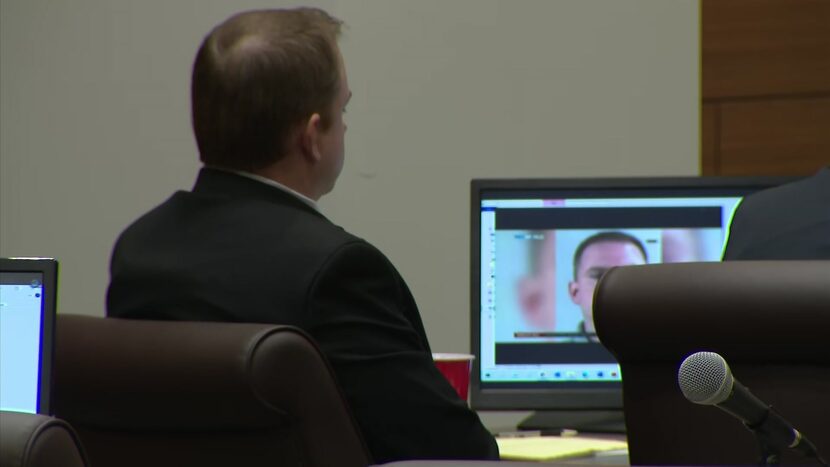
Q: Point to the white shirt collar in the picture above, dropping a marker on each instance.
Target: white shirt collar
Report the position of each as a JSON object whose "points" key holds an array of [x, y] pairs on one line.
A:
{"points": [[275, 184]]}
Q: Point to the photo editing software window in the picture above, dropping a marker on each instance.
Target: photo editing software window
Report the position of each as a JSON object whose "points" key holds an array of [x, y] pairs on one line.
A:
{"points": [[21, 302], [541, 259]]}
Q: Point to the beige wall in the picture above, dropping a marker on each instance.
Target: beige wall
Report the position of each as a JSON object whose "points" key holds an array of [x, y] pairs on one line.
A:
{"points": [[94, 120]]}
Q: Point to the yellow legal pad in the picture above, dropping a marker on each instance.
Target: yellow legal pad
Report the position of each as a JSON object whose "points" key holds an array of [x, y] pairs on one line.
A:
{"points": [[540, 448]]}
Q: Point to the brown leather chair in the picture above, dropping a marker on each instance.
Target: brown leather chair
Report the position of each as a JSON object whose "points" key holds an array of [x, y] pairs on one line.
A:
{"points": [[30, 440], [166, 393], [769, 320]]}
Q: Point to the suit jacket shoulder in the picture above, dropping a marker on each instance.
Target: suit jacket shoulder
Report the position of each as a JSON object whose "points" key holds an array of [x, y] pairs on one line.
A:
{"points": [[791, 221], [225, 251]]}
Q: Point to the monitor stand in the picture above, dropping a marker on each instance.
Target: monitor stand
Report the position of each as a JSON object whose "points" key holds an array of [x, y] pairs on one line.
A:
{"points": [[589, 421]]}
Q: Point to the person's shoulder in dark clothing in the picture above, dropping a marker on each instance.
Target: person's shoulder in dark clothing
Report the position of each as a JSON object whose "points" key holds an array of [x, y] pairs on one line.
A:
{"points": [[791, 221]]}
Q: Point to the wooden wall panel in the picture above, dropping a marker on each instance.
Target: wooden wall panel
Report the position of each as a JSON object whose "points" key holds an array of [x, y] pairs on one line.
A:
{"points": [[709, 138], [765, 47], [765, 67], [784, 137]]}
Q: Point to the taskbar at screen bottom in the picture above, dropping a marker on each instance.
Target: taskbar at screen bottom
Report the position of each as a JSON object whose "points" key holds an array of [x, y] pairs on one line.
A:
{"points": [[554, 374], [543, 385]]}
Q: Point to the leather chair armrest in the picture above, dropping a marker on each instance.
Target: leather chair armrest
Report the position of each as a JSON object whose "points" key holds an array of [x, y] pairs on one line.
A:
{"points": [[29, 440]]}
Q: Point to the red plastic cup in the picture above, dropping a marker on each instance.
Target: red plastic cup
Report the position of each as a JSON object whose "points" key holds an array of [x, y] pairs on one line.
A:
{"points": [[456, 368]]}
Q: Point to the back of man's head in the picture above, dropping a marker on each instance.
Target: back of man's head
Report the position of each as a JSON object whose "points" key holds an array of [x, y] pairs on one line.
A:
{"points": [[256, 77]]}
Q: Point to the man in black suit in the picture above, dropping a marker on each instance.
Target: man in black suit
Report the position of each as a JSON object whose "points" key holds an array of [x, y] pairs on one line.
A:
{"points": [[248, 243], [791, 221]]}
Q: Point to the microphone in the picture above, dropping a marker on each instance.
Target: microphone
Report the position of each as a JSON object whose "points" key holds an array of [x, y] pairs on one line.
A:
{"points": [[705, 378]]}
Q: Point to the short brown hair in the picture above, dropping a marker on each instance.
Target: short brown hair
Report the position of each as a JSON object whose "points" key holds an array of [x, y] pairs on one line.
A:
{"points": [[620, 237], [258, 75]]}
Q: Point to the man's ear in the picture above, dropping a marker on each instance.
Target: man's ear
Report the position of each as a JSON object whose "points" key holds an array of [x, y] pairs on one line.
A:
{"points": [[310, 138], [573, 289]]}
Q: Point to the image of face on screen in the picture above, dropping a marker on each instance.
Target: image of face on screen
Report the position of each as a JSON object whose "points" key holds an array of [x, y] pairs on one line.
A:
{"points": [[592, 258], [537, 300], [545, 279], [684, 245], [547, 284]]}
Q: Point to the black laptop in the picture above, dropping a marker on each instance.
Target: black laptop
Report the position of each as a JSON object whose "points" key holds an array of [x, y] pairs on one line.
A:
{"points": [[28, 292]]}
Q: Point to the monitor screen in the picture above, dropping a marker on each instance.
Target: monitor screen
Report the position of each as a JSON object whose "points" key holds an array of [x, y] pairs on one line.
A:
{"points": [[27, 289], [538, 249]]}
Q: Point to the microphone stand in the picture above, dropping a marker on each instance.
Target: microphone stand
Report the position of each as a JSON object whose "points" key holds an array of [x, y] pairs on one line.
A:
{"points": [[769, 454], [773, 427]]}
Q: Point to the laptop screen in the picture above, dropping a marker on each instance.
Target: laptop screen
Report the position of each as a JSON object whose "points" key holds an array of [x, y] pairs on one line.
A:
{"points": [[27, 316]]}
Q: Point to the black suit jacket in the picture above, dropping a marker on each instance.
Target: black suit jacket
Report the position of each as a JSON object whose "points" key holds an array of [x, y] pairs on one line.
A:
{"points": [[235, 249], [791, 221]]}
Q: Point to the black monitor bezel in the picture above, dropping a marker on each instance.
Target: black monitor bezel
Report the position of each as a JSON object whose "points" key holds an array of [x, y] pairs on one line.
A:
{"points": [[568, 398], [48, 269]]}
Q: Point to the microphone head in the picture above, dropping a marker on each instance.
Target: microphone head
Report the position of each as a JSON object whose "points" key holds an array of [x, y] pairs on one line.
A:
{"points": [[705, 378]]}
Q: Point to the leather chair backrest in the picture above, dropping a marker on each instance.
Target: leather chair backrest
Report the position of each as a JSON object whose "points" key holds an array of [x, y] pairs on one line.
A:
{"points": [[769, 320], [31, 440], [168, 393]]}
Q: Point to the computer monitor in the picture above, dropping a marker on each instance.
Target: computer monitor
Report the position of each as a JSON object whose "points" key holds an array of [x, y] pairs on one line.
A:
{"points": [[28, 288], [538, 247]]}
